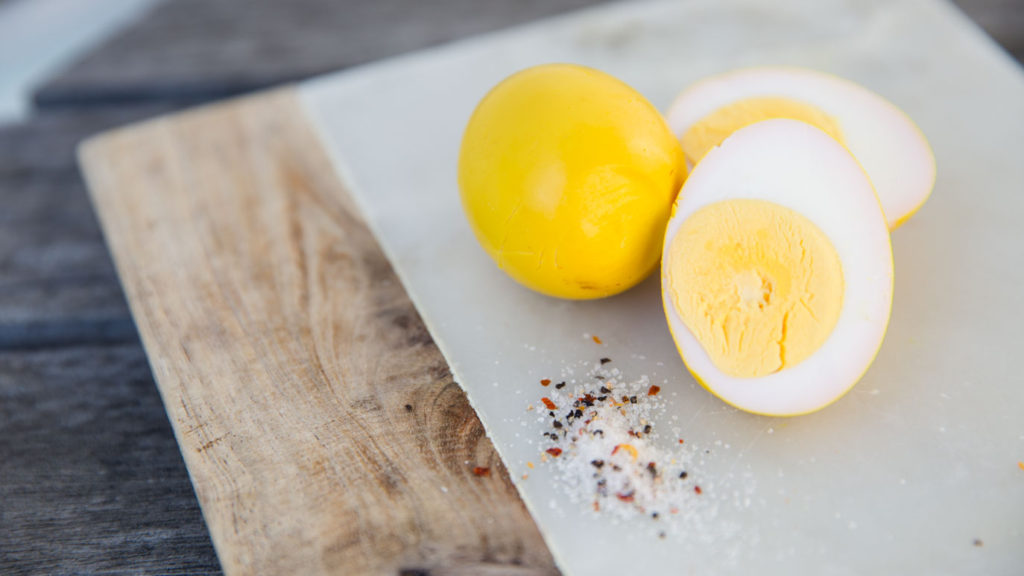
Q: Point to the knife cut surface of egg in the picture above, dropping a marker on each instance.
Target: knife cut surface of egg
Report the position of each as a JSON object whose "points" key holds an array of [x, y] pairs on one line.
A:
{"points": [[777, 270], [889, 146]]}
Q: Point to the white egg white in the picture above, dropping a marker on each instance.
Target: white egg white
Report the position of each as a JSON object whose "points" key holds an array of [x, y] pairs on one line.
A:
{"points": [[887, 143], [797, 166]]}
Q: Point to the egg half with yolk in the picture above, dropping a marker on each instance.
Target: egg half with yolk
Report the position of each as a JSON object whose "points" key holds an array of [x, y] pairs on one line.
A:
{"points": [[777, 270], [889, 146]]}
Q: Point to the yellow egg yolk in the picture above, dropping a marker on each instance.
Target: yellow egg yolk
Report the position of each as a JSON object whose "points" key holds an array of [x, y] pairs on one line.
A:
{"points": [[711, 130], [758, 284]]}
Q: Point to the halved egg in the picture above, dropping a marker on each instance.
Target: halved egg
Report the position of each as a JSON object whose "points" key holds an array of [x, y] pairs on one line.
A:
{"points": [[777, 270], [889, 146]]}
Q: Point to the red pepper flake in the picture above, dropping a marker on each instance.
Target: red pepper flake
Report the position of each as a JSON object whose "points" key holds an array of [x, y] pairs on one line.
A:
{"points": [[628, 497], [596, 339], [545, 382], [627, 447], [653, 390], [698, 490], [482, 471], [597, 506], [554, 451], [548, 403], [1020, 465], [680, 440]]}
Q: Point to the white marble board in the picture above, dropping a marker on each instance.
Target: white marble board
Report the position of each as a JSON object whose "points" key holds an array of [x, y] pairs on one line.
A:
{"points": [[915, 471]]}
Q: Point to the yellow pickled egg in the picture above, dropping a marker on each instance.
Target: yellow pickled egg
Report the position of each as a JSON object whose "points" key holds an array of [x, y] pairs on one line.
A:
{"points": [[777, 269], [567, 177], [884, 140]]}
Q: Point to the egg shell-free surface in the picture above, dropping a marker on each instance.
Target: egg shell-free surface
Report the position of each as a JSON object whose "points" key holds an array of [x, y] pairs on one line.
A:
{"points": [[797, 166], [567, 176], [884, 139], [898, 477]]}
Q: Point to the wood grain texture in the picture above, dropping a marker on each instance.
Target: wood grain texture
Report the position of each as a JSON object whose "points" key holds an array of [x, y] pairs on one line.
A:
{"points": [[91, 480], [196, 50], [320, 424], [57, 282], [44, 145]]}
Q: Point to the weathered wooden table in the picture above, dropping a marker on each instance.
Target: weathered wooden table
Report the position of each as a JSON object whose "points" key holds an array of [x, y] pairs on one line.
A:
{"points": [[91, 479]]}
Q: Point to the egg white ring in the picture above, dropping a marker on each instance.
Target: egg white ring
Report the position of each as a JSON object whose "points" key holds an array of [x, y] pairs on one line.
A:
{"points": [[886, 142], [795, 165]]}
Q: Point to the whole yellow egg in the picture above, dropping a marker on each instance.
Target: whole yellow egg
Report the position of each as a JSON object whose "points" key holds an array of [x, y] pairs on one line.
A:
{"points": [[567, 177]]}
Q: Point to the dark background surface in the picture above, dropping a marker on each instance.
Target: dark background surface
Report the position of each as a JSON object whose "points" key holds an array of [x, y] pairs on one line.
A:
{"points": [[91, 480]]}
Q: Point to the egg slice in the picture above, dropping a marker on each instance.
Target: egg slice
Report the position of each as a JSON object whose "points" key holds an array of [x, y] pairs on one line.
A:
{"points": [[777, 270], [884, 140]]}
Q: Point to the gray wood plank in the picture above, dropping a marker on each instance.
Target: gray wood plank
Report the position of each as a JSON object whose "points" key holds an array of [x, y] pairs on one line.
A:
{"points": [[57, 282], [45, 144], [91, 479], [193, 50], [1001, 19]]}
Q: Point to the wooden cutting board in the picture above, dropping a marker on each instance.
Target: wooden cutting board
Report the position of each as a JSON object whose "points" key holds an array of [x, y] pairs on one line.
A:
{"points": [[322, 438], [320, 425]]}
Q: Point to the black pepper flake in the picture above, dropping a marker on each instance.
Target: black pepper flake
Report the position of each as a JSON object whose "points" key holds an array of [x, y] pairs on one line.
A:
{"points": [[616, 467], [647, 429], [551, 413], [605, 390], [683, 474], [597, 463], [560, 385], [600, 376], [578, 414], [599, 432], [654, 515], [632, 399], [605, 361], [602, 398], [978, 542], [556, 424], [408, 407], [652, 468]]}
